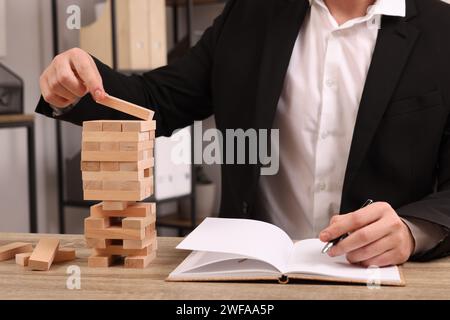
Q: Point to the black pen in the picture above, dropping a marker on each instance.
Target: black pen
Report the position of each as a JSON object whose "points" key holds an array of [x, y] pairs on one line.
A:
{"points": [[332, 243]]}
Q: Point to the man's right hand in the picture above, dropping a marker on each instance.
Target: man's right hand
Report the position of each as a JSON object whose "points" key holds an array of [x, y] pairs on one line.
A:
{"points": [[70, 76]]}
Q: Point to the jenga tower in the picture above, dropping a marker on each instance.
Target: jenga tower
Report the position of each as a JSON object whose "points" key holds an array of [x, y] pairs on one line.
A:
{"points": [[117, 166]]}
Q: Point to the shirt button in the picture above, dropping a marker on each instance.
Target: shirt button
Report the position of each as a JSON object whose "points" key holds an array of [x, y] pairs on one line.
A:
{"points": [[330, 83], [321, 186], [324, 135]]}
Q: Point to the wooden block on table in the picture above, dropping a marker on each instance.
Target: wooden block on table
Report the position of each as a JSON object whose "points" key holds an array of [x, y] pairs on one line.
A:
{"points": [[138, 126], [62, 255], [88, 136], [65, 254], [120, 156], [115, 233], [139, 262], [108, 146], [91, 146], [114, 205], [8, 251], [44, 254], [96, 223], [109, 166], [127, 107], [91, 165], [136, 166], [92, 126], [95, 261], [97, 243], [133, 210], [23, 258], [112, 126]]}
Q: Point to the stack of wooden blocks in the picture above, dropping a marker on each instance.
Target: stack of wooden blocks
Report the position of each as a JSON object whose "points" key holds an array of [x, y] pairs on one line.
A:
{"points": [[117, 168]]}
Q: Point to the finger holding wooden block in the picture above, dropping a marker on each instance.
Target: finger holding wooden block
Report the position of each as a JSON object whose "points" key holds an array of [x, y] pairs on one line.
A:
{"points": [[126, 107], [43, 255]]}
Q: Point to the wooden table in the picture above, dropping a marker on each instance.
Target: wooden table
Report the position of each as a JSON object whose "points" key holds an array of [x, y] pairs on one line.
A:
{"points": [[424, 280]]}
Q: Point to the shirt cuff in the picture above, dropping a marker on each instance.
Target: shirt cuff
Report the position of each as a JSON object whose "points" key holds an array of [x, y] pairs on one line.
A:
{"points": [[61, 111], [427, 235]]}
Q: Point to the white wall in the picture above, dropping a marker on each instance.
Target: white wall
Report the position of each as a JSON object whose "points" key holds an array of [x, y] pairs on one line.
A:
{"points": [[27, 52]]}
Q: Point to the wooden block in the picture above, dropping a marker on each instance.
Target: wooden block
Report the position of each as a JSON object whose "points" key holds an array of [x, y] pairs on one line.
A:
{"points": [[138, 126], [95, 261], [92, 126], [135, 166], [152, 135], [114, 205], [133, 210], [139, 262], [92, 185], [89, 136], [150, 239], [114, 156], [115, 195], [117, 175], [96, 223], [62, 255], [116, 250], [23, 258], [112, 126], [127, 107], [9, 251], [44, 254], [137, 146], [127, 185], [97, 243], [109, 166], [91, 146], [108, 146], [115, 233], [138, 222], [90, 166]]}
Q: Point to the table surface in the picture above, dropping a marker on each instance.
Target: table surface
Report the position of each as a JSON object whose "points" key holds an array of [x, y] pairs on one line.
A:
{"points": [[429, 280]]}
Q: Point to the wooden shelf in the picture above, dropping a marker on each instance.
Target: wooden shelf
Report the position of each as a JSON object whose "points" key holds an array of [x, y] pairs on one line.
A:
{"points": [[14, 118]]}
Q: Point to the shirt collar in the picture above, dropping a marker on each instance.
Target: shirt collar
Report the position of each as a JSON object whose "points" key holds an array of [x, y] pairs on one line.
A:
{"points": [[395, 8]]}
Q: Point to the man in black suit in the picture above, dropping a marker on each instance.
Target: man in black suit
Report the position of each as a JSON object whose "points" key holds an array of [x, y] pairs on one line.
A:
{"points": [[359, 90]]}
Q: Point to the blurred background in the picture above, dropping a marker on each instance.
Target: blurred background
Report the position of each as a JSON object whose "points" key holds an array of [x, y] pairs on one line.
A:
{"points": [[40, 185]]}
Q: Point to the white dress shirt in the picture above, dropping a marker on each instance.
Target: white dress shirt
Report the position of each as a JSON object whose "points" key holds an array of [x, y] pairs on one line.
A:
{"points": [[316, 117]]}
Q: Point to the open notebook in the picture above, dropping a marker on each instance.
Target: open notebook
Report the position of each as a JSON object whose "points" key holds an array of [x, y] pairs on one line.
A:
{"points": [[246, 250]]}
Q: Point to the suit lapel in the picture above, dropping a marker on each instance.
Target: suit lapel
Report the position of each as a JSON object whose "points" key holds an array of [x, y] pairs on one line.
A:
{"points": [[285, 21], [395, 42]]}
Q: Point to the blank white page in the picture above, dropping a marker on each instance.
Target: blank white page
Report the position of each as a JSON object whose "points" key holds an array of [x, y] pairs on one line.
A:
{"points": [[308, 258], [250, 238]]}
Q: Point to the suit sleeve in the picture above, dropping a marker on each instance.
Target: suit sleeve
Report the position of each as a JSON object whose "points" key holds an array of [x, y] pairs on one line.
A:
{"points": [[435, 208], [178, 93]]}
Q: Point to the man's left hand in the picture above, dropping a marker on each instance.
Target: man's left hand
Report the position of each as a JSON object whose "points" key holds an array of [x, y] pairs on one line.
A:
{"points": [[377, 236]]}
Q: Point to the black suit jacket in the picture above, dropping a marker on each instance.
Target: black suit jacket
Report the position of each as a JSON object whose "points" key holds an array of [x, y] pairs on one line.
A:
{"points": [[400, 151]]}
